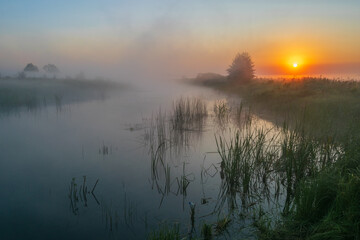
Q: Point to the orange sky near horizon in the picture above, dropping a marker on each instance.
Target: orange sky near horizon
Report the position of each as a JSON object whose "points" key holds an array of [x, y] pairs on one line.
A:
{"points": [[182, 39]]}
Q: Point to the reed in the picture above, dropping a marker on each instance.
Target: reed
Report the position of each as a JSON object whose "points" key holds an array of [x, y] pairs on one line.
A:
{"points": [[222, 111], [188, 114], [165, 232], [80, 194], [206, 232], [246, 163], [222, 224]]}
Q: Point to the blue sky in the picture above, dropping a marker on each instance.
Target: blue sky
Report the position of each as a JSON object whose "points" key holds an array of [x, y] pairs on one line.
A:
{"points": [[186, 36]]}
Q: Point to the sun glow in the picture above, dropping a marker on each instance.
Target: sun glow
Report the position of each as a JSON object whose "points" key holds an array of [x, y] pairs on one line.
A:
{"points": [[295, 63]]}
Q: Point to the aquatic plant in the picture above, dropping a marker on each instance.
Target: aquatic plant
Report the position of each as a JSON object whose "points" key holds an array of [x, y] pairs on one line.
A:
{"points": [[80, 195], [188, 114], [111, 217], [222, 110], [206, 231], [129, 211], [165, 233], [222, 224], [246, 162]]}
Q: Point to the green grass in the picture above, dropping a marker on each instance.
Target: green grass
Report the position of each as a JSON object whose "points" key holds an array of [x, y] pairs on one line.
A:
{"points": [[318, 163], [323, 105], [310, 170], [320, 180]]}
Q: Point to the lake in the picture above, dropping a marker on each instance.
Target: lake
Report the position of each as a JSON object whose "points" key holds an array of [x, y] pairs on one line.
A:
{"points": [[91, 169]]}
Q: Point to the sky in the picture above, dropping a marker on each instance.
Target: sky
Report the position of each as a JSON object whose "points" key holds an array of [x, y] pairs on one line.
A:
{"points": [[171, 39]]}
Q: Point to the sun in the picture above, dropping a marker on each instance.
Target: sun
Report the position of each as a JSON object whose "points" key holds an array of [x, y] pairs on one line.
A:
{"points": [[295, 65]]}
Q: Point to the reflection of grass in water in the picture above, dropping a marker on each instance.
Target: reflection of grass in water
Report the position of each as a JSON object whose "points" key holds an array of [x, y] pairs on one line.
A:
{"points": [[245, 161], [237, 113], [33, 94], [319, 178], [171, 133], [80, 195], [222, 224], [184, 181], [253, 161], [168, 184], [156, 138], [105, 149], [111, 217], [242, 116], [222, 112], [10, 99], [130, 211], [326, 204], [256, 166], [188, 114]]}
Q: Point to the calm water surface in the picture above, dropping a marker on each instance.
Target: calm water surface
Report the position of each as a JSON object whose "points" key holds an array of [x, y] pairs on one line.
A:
{"points": [[84, 171]]}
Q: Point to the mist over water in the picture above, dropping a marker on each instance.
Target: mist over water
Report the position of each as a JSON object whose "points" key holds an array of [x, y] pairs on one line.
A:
{"points": [[52, 158], [128, 120]]}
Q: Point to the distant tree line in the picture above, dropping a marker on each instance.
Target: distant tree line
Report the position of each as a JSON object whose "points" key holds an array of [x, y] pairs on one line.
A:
{"points": [[33, 69]]}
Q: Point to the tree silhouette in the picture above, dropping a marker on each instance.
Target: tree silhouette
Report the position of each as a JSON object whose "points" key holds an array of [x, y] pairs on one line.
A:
{"points": [[31, 68], [51, 69], [242, 68]]}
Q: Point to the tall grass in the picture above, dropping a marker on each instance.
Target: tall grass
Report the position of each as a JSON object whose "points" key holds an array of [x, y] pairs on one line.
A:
{"points": [[246, 163], [330, 106], [257, 165], [311, 169], [188, 114], [315, 179], [169, 133], [322, 184], [222, 112]]}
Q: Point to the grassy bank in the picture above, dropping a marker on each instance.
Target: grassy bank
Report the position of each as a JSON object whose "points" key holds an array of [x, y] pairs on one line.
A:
{"points": [[325, 206], [323, 106], [318, 163]]}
